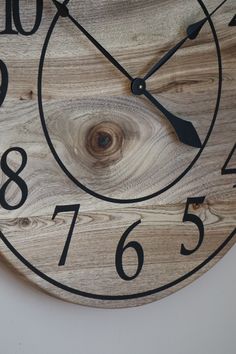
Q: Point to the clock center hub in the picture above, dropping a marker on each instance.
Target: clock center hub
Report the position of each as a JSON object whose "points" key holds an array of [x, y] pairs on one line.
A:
{"points": [[138, 86]]}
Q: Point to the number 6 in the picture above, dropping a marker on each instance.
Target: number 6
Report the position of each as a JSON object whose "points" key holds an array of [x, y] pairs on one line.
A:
{"points": [[121, 249]]}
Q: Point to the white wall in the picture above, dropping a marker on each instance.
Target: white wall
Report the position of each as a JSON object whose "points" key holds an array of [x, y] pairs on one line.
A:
{"points": [[200, 319]]}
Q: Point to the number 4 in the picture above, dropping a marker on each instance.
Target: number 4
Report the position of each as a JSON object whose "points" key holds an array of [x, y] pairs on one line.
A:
{"points": [[67, 209], [225, 169]]}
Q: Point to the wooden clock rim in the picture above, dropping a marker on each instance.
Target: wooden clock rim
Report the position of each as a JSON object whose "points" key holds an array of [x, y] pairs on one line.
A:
{"points": [[61, 164], [112, 298], [32, 239]]}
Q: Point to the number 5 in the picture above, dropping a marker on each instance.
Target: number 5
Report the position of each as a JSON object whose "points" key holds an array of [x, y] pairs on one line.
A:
{"points": [[195, 220]]}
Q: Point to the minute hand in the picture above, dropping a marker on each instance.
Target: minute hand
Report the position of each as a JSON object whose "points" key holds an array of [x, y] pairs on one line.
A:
{"points": [[192, 33], [185, 130], [64, 12]]}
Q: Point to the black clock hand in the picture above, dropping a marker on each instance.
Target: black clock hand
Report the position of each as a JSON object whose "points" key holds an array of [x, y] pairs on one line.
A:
{"points": [[64, 12], [185, 130], [181, 129], [192, 33]]}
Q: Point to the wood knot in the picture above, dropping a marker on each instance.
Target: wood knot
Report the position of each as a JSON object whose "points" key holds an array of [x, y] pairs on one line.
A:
{"points": [[27, 96], [25, 222], [104, 142], [196, 206]]}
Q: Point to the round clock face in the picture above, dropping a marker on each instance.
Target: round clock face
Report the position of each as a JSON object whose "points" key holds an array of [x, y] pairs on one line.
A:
{"points": [[117, 146]]}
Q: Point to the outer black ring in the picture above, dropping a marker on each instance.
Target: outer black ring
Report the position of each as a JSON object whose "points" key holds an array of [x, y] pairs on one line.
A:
{"points": [[61, 164]]}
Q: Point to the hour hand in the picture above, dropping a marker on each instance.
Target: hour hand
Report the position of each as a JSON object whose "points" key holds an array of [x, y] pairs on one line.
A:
{"points": [[184, 129]]}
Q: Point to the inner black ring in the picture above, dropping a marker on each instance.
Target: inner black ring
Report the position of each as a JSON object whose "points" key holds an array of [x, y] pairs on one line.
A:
{"points": [[61, 164]]}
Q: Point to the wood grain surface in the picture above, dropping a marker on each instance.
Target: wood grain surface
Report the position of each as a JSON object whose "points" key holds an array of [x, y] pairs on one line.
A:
{"points": [[118, 145]]}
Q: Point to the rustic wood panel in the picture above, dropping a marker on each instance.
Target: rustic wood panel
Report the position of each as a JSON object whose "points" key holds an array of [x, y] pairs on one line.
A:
{"points": [[84, 96]]}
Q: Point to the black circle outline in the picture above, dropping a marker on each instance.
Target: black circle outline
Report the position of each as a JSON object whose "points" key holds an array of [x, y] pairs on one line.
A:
{"points": [[61, 164]]}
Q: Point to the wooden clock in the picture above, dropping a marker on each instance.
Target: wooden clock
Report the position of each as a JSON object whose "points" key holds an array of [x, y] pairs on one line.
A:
{"points": [[117, 145]]}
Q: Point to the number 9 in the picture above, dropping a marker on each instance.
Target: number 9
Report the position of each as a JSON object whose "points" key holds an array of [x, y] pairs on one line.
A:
{"points": [[4, 82]]}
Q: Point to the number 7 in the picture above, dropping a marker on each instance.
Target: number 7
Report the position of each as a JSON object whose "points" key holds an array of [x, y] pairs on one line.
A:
{"points": [[67, 209]]}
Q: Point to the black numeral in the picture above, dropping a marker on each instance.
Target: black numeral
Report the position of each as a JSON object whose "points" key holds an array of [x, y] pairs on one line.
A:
{"points": [[195, 220], [120, 252], [67, 209], [4, 82], [225, 169], [12, 10], [13, 178], [233, 21]]}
